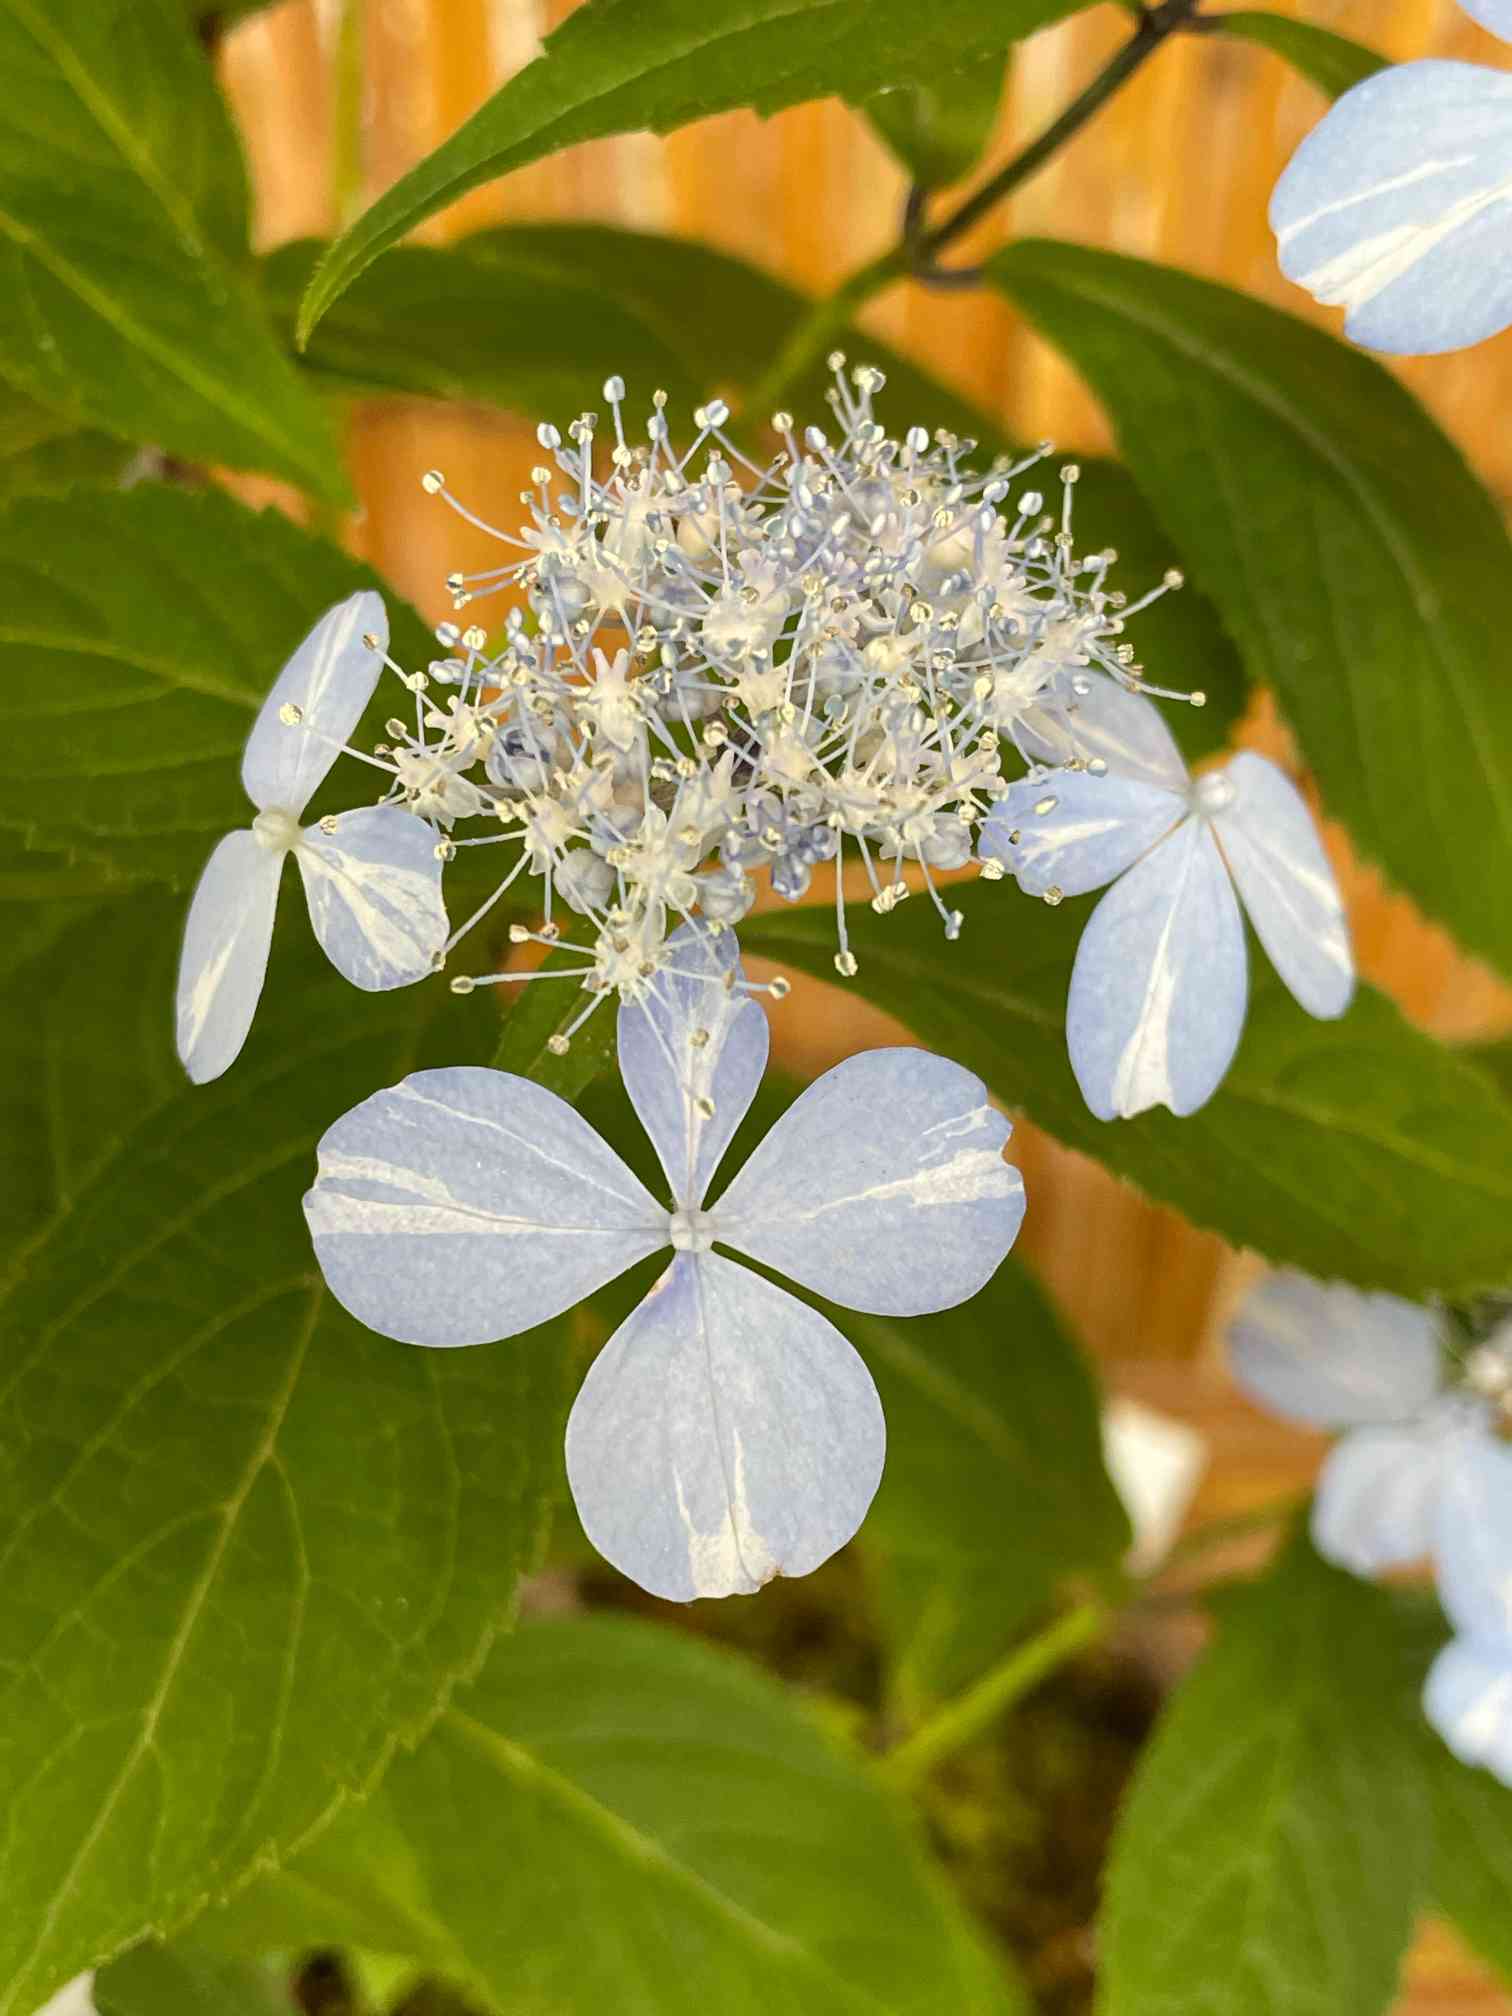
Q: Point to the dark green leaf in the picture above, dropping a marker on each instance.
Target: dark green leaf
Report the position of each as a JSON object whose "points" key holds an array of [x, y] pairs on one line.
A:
{"points": [[1360, 1149], [539, 1010], [181, 1981], [610, 1778], [42, 453], [1332, 62], [122, 222], [139, 632], [1365, 573], [1270, 1857], [995, 1487], [618, 66], [939, 128], [248, 1546], [1472, 1854]]}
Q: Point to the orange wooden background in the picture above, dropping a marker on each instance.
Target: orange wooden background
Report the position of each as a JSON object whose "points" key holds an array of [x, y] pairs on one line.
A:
{"points": [[1179, 168]]}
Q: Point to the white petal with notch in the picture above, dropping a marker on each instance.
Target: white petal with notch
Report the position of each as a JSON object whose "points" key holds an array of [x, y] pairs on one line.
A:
{"points": [[1089, 831], [330, 679], [225, 955], [694, 1043], [465, 1204], [1398, 207], [1328, 1356], [1159, 986], [374, 891], [1128, 732], [1286, 884], [883, 1187], [725, 1434]]}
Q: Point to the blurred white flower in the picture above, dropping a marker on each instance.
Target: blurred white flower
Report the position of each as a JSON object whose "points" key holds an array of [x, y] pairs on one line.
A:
{"points": [[1398, 206], [1420, 1473], [727, 1432], [75, 1998]]}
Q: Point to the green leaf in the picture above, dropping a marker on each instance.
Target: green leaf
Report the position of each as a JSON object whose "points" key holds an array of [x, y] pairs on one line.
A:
{"points": [[182, 1981], [1332, 62], [246, 1546], [993, 1431], [614, 68], [139, 633], [1359, 1150], [1270, 1856], [939, 128], [1364, 571], [613, 1777], [542, 1009], [122, 225], [43, 454], [1472, 1854]]}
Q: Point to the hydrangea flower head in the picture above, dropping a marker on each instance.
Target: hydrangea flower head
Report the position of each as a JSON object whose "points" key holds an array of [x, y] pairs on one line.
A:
{"points": [[727, 1432], [371, 877], [1160, 983], [1420, 1472], [1398, 206]]}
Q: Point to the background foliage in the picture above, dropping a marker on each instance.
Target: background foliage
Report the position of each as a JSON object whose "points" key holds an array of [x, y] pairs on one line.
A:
{"points": [[258, 1690]]}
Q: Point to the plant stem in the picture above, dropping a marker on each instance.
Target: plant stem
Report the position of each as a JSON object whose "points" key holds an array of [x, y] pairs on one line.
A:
{"points": [[959, 1721], [1155, 25], [916, 250]]}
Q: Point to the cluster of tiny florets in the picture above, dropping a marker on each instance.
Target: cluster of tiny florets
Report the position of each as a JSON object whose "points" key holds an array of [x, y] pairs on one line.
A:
{"points": [[714, 672]]}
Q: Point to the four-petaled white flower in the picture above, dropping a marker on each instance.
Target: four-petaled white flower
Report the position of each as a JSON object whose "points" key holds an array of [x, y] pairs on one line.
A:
{"points": [[727, 1432], [1160, 983], [372, 877], [1398, 206], [1419, 1473]]}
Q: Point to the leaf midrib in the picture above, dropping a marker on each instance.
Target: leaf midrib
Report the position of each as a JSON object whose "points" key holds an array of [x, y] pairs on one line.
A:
{"points": [[522, 1767]]}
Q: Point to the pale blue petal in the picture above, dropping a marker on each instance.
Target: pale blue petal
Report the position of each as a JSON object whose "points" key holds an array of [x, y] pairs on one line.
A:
{"points": [[330, 679], [1328, 1356], [225, 955], [1286, 884], [1398, 208], [1378, 1495], [725, 1434], [466, 1204], [1474, 1543], [1493, 14], [697, 1042], [374, 891], [1127, 732], [1091, 829], [1468, 1699], [1160, 982], [883, 1187]]}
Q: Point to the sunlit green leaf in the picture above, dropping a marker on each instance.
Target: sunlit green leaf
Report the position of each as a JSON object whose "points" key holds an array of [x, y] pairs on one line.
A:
{"points": [[618, 1817], [182, 1981], [246, 1546], [1270, 1859], [939, 126], [1472, 1854], [1332, 62], [1358, 1149], [603, 72], [1364, 572], [122, 229]]}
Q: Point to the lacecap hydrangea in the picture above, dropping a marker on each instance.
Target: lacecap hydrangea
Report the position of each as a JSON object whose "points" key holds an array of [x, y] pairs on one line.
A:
{"points": [[714, 674]]}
